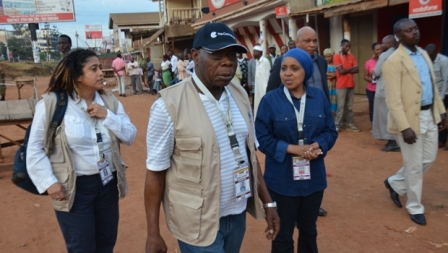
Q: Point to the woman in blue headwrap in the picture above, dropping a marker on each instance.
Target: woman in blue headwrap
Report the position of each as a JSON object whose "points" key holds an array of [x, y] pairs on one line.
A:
{"points": [[295, 129]]}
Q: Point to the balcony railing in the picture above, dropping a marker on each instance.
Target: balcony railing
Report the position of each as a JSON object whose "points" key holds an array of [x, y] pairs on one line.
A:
{"points": [[184, 16]]}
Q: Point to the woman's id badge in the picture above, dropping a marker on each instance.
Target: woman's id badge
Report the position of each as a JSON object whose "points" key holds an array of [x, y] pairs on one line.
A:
{"points": [[105, 173], [242, 183], [300, 168]]}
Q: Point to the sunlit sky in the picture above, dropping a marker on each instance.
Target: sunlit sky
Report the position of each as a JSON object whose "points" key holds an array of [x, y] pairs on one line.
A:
{"points": [[96, 12]]}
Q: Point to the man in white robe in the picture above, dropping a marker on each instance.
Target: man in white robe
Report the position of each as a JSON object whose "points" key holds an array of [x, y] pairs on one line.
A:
{"points": [[263, 68]]}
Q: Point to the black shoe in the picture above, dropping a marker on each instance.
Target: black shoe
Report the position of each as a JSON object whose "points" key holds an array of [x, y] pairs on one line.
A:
{"points": [[418, 218], [391, 146], [393, 195], [322, 212]]}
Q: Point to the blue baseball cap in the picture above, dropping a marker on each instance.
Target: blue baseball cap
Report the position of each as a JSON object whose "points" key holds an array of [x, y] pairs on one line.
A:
{"points": [[216, 36]]}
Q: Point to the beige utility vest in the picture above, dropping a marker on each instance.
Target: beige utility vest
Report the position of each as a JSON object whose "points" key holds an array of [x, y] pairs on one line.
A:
{"points": [[62, 160], [192, 191]]}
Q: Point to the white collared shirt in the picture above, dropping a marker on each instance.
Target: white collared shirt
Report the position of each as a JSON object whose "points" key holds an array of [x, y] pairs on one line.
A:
{"points": [[81, 139], [160, 144]]}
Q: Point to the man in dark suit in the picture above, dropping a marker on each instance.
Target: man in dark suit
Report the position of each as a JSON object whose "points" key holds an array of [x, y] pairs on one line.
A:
{"points": [[306, 40]]}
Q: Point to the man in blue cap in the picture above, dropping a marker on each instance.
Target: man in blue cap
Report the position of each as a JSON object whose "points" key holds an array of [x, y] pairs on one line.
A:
{"points": [[201, 149]]}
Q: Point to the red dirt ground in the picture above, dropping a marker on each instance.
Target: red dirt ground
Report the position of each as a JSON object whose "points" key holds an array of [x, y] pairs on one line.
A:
{"points": [[361, 217]]}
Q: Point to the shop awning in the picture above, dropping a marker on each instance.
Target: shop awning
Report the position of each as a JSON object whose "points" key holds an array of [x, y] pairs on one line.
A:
{"points": [[356, 7], [337, 9], [154, 36]]}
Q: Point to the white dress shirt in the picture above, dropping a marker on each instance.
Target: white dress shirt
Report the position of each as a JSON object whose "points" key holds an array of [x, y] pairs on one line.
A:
{"points": [[81, 139], [160, 145], [133, 71]]}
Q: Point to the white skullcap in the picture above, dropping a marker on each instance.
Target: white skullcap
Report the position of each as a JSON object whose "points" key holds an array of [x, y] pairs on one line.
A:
{"points": [[258, 48]]}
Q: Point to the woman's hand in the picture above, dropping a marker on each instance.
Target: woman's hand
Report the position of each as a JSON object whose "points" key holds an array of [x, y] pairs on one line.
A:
{"points": [[57, 192], [97, 111]]}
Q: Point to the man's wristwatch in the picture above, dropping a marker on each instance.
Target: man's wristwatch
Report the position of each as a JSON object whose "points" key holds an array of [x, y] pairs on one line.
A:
{"points": [[273, 204]]}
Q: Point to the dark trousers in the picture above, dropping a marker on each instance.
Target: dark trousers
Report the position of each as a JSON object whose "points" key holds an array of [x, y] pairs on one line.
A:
{"points": [[300, 212], [443, 135], [371, 98], [91, 226]]}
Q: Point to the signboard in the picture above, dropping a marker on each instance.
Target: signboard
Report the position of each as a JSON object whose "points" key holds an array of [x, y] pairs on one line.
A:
{"points": [[218, 4], [281, 11], [326, 2], [424, 8], [37, 11], [94, 35]]}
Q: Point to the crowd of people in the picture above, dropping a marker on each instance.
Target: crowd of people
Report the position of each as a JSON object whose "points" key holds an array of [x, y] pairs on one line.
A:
{"points": [[202, 167]]}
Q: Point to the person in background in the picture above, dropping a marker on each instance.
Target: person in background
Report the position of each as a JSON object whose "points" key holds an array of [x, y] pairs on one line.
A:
{"points": [[346, 67], [135, 73], [283, 50], [295, 142], [242, 63], [261, 75], [251, 71], [331, 80], [118, 65], [190, 68], [166, 70], [272, 53], [291, 44], [2, 86], [380, 111], [369, 66], [64, 44], [85, 175], [150, 68], [186, 54], [416, 113], [440, 66], [173, 60], [182, 64]]}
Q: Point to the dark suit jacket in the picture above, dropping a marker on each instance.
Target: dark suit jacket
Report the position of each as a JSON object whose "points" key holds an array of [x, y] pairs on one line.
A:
{"points": [[274, 78]]}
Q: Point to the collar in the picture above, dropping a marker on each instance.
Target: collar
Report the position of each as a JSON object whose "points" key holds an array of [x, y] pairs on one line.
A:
{"points": [[310, 92], [412, 53], [97, 99], [437, 58]]}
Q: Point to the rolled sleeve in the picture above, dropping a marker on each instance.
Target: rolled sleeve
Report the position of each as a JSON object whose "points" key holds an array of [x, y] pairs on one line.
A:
{"points": [[159, 138], [37, 162], [120, 125]]}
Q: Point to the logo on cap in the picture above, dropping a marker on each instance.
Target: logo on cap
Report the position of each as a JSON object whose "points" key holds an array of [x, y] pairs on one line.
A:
{"points": [[213, 35]]}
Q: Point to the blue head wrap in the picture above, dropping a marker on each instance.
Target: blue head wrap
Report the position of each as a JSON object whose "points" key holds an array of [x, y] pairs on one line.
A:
{"points": [[304, 59]]}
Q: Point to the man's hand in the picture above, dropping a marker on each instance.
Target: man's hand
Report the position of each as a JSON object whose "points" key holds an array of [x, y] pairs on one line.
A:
{"points": [[155, 244], [444, 123], [409, 136], [273, 223]]}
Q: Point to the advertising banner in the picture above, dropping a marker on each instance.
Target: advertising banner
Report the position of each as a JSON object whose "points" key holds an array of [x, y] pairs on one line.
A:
{"points": [[218, 4], [37, 11], [94, 35], [424, 8]]}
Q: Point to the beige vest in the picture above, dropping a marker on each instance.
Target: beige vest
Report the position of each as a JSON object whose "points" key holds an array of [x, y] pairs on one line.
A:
{"points": [[192, 191], [62, 161]]}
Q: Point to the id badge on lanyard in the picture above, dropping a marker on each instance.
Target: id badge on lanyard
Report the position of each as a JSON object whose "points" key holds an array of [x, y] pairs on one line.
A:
{"points": [[102, 164], [241, 174], [300, 166]]}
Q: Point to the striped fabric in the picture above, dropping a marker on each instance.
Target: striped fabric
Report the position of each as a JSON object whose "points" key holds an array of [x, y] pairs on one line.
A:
{"points": [[160, 142]]}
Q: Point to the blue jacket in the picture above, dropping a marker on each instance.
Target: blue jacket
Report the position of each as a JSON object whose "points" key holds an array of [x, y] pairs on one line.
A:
{"points": [[276, 128]]}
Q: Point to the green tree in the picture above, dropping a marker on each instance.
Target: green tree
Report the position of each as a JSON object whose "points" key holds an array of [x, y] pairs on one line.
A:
{"points": [[20, 47]]}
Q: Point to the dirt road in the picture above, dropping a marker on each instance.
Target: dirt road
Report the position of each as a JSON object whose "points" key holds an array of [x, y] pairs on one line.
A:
{"points": [[361, 216]]}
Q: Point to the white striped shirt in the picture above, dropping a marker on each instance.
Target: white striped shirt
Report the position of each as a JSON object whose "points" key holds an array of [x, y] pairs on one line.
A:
{"points": [[160, 144]]}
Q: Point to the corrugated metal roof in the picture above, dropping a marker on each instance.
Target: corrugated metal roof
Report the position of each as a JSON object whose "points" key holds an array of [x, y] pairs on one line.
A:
{"points": [[136, 18]]}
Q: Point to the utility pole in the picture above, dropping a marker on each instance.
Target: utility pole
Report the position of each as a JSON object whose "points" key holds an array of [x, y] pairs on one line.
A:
{"points": [[33, 27], [76, 35]]}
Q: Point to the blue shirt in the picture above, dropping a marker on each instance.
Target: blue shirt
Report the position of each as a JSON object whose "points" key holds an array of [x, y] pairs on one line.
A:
{"points": [[316, 79], [276, 128], [150, 69], [424, 74]]}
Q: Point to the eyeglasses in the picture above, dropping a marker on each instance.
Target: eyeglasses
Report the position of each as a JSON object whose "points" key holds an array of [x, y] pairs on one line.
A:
{"points": [[220, 54]]}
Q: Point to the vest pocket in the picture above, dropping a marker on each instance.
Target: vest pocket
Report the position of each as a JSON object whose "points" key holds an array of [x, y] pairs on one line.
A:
{"points": [[185, 211], [188, 158]]}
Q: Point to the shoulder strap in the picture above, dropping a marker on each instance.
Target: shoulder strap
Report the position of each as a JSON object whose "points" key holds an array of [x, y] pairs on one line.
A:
{"points": [[58, 116]]}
